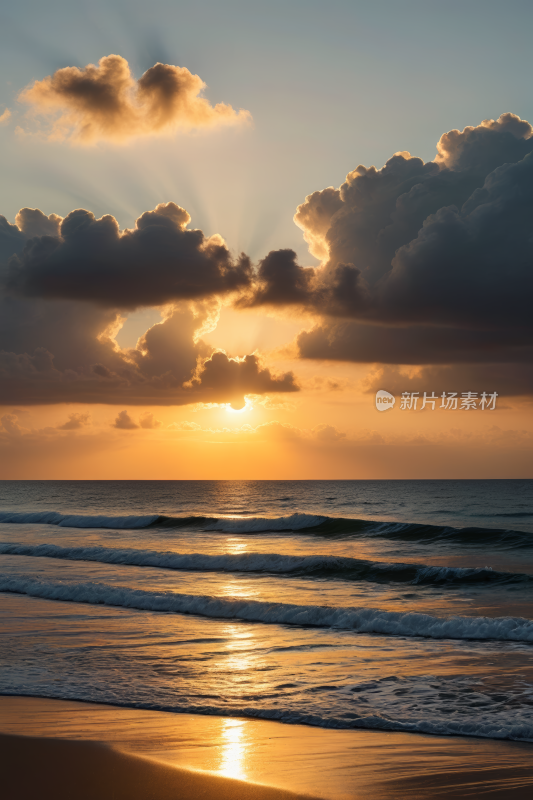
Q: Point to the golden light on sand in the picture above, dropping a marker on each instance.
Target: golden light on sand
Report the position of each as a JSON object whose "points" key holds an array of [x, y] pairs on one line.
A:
{"points": [[233, 749]]}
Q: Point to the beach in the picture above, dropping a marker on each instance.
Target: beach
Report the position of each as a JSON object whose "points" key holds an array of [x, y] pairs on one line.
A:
{"points": [[63, 749], [158, 638]]}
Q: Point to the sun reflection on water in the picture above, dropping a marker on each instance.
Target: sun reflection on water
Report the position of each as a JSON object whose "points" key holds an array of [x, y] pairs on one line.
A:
{"points": [[236, 545]]}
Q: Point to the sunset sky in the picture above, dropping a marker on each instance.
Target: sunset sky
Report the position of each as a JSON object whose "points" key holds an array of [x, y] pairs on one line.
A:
{"points": [[226, 225]]}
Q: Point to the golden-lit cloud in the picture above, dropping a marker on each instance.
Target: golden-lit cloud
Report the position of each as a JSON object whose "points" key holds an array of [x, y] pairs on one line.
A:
{"points": [[184, 426], [104, 102], [124, 422], [148, 421], [75, 422], [5, 116]]}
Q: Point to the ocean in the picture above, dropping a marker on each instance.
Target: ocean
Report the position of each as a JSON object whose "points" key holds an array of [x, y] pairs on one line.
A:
{"points": [[391, 605]]}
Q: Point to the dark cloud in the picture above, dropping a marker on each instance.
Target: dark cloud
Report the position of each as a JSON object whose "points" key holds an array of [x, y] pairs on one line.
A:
{"points": [[508, 380], [414, 344], [12, 240], [64, 351], [447, 242], [104, 102], [236, 377], [157, 262], [423, 263], [281, 281]]}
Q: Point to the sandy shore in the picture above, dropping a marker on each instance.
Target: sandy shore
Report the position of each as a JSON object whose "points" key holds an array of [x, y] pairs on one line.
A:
{"points": [[56, 769], [63, 749]]}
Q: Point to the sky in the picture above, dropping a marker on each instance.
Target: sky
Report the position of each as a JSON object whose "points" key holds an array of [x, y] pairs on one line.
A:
{"points": [[224, 226]]}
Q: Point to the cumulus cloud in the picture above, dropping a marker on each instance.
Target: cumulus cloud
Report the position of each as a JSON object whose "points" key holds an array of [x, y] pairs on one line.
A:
{"points": [[147, 420], [75, 422], [421, 262], [83, 258], [5, 116], [124, 422], [64, 351], [445, 242], [32, 222], [105, 103], [235, 377]]}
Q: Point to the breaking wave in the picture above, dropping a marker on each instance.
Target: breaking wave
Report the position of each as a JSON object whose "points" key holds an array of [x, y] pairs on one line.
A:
{"points": [[314, 565], [299, 523], [360, 620]]}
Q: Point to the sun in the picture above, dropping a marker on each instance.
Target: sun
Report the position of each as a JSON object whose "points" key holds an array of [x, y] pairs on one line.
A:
{"points": [[230, 407]]}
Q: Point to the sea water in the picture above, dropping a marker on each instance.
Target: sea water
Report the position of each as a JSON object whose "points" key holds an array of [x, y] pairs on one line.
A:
{"points": [[396, 605]]}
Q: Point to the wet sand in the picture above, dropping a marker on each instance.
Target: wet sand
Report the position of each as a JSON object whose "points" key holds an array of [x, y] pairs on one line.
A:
{"points": [[112, 753], [63, 770]]}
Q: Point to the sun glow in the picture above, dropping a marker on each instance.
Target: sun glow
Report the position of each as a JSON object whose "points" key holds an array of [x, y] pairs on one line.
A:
{"points": [[246, 407]]}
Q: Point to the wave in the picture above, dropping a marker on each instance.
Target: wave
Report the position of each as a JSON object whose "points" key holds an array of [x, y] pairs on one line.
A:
{"points": [[501, 727], [360, 620], [273, 563], [78, 520], [298, 523]]}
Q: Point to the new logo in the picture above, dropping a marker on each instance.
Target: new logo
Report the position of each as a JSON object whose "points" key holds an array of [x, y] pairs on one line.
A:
{"points": [[384, 400]]}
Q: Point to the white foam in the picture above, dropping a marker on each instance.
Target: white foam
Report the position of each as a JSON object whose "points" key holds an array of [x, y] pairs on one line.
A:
{"points": [[243, 562], [224, 524], [363, 620], [227, 562], [78, 520], [294, 522]]}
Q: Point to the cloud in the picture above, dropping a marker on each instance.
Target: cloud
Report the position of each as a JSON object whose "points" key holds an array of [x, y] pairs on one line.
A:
{"points": [[236, 377], [281, 281], [11, 425], [105, 103], [147, 420], [32, 222], [5, 116], [75, 422], [445, 242], [422, 263], [328, 433], [415, 344], [125, 422], [12, 240], [510, 380], [55, 351], [83, 258], [267, 431], [184, 426]]}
